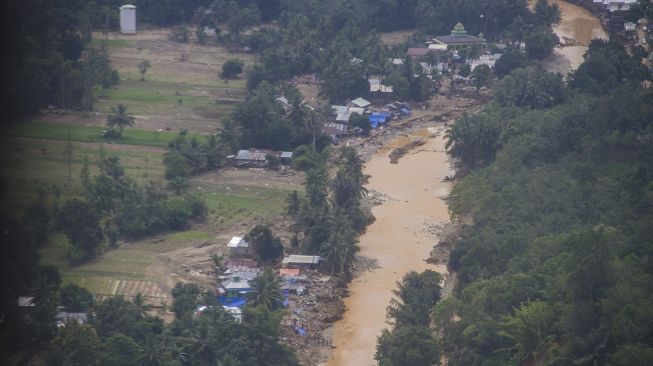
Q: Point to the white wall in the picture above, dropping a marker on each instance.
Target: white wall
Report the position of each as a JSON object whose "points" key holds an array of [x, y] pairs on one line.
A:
{"points": [[128, 19]]}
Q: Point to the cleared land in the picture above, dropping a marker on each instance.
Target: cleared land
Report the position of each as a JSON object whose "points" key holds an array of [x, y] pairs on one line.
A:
{"points": [[180, 92]]}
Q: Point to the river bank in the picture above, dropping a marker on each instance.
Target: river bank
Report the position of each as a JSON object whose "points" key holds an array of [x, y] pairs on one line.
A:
{"points": [[578, 26]]}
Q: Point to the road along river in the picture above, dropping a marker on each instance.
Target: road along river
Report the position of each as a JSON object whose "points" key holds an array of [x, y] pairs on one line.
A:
{"points": [[399, 239]]}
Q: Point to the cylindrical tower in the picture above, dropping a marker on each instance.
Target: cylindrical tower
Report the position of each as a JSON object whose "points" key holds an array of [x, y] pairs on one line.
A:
{"points": [[128, 19]]}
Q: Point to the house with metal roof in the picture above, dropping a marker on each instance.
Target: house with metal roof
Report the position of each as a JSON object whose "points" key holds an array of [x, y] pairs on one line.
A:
{"points": [[258, 157], [359, 102], [239, 247], [301, 261]]}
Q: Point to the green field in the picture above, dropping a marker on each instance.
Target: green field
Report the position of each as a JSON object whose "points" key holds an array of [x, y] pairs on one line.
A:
{"points": [[35, 160], [55, 131]]}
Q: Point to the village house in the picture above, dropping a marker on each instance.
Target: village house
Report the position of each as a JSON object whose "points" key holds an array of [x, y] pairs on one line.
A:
{"points": [[239, 247], [235, 287], [488, 60], [335, 130], [377, 86], [301, 261], [285, 104], [234, 311], [63, 317], [359, 103], [617, 5], [416, 52], [259, 157]]}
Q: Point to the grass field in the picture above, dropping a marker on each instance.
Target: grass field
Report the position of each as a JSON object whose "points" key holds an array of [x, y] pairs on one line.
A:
{"points": [[61, 132], [32, 165], [176, 95]]}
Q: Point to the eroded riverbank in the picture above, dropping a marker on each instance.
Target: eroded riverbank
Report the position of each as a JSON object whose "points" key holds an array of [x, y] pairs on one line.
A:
{"points": [[578, 26]]}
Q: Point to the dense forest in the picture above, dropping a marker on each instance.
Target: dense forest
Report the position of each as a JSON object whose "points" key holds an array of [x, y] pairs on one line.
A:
{"points": [[556, 268]]}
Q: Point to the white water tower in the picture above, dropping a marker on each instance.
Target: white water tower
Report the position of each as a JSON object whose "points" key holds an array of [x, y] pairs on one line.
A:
{"points": [[128, 19]]}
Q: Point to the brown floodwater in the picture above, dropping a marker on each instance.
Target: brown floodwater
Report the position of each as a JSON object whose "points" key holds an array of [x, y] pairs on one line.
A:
{"points": [[399, 239], [580, 25]]}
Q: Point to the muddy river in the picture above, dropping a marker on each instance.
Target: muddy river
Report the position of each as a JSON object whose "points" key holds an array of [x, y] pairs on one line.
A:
{"points": [[399, 239], [579, 25]]}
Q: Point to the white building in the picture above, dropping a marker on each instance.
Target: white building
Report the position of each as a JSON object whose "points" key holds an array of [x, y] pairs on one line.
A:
{"points": [[239, 247], [617, 5], [128, 19]]}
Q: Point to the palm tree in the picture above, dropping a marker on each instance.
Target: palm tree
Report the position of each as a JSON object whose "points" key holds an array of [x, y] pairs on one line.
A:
{"points": [[119, 118], [316, 186], [202, 347], [267, 290], [152, 354], [332, 251]]}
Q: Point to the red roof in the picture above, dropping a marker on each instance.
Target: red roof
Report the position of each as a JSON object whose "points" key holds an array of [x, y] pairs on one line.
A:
{"points": [[417, 52], [289, 272]]}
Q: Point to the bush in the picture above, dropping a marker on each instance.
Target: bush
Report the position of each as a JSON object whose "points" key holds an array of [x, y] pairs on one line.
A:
{"points": [[231, 68]]}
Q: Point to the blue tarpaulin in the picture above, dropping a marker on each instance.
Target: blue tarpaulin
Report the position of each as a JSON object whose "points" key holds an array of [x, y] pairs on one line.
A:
{"points": [[232, 301], [405, 111], [377, 118]]}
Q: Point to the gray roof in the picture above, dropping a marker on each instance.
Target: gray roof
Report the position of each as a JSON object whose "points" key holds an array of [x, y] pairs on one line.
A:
{"points": [[236, 283], [64, 317], [286, 155], [252, 154], [360, 102], [448, 39], [302, 259], [417, 52], [335, 129], [238, 242]]}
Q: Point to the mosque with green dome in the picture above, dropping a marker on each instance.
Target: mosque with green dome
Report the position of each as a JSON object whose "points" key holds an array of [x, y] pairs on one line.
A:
{"points": [[457, 39]]}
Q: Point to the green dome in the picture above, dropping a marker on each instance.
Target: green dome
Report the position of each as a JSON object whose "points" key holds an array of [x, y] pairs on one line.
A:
{"points": [[459, 30]]}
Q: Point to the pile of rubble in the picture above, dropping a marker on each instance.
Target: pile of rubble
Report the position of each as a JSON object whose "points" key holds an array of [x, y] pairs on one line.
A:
{"points": [[309, 316]]}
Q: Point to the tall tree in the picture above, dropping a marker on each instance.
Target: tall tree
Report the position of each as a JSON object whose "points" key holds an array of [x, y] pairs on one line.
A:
{"points": [[119, 118], [266, 290]]}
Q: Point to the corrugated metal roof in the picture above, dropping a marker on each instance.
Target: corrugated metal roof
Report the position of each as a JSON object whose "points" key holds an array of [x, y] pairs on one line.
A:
{"points": [[302, 259], [360, 102], [334, 129], [357, 110], [343, 117], [340, 109], [417, 52], [238, 241]]}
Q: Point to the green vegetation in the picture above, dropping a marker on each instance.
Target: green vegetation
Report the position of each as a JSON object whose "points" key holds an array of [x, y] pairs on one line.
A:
{"points": [[231, 68], [56, 131], [552, 271], [268, 248], [410, 342]]}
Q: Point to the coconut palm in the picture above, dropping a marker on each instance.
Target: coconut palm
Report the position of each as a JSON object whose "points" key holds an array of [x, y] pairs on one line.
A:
{"points": [[266, 290], [316, 187], [119, 118], [152, 354]]}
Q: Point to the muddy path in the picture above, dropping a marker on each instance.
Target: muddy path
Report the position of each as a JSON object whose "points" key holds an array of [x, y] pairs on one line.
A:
{"points": [[399, 239]]}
